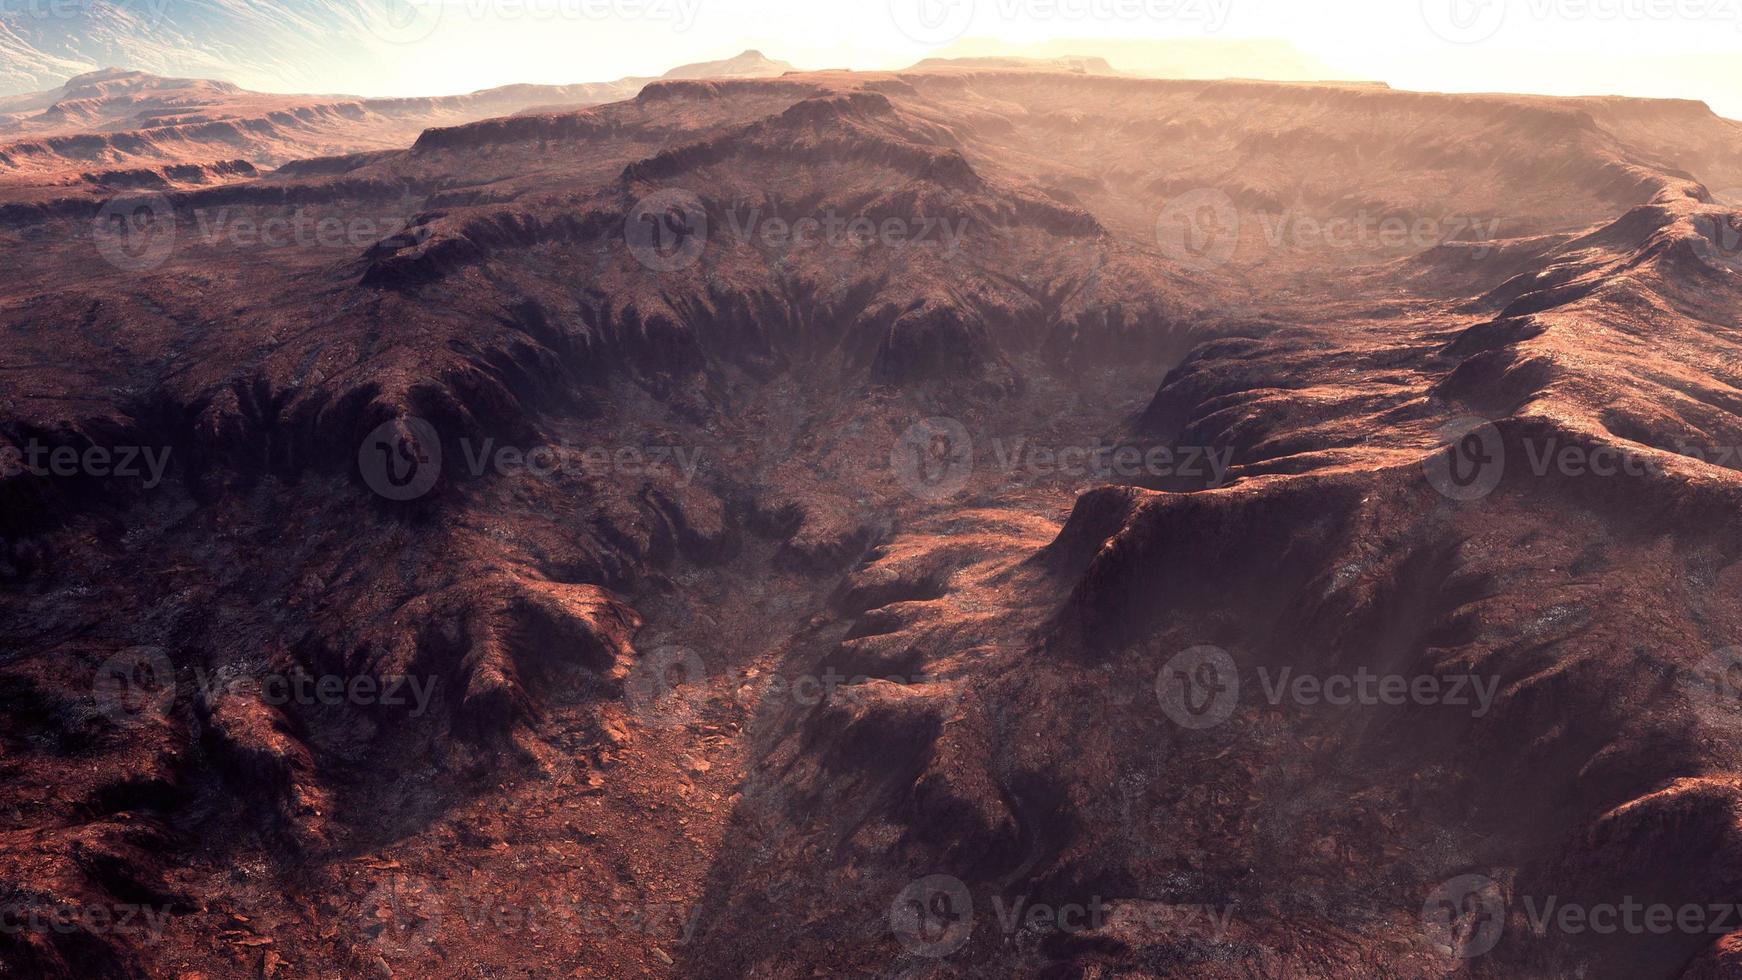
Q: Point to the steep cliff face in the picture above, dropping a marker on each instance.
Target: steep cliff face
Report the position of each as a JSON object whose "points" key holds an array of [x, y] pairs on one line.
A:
{"points": [[779, 508]]}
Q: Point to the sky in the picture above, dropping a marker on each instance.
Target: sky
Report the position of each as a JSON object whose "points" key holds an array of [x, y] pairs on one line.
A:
{"points": [[1664, 48]]}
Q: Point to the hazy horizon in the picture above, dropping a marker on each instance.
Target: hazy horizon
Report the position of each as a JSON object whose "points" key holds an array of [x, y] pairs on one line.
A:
{"points": [[1673, 48]]}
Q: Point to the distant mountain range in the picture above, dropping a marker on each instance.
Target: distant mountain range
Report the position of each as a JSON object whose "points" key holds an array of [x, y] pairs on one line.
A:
{"points": [[114, 128], [1263, 59], [282, 46], [320, 45], [1081, 64]]}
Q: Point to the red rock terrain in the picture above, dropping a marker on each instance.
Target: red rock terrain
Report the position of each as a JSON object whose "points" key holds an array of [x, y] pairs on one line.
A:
{"points": [[113, 131], [916, 486]]}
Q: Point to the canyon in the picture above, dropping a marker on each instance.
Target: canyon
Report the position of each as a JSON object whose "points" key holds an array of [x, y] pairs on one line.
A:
{"points": [[761, 526]]}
